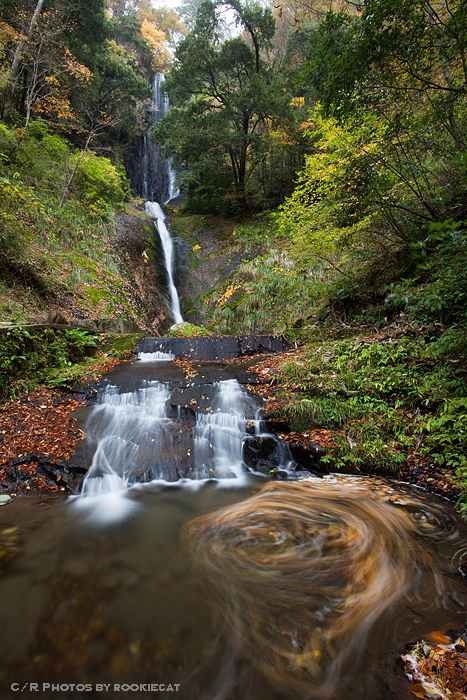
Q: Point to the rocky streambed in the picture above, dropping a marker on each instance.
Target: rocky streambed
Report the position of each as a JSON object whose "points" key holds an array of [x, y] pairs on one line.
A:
{"points": [[185, 557]]}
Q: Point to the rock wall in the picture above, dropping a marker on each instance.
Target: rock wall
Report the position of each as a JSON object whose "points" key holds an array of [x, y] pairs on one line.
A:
{"points": [[206, 256], [147, 169], [140, 262]]}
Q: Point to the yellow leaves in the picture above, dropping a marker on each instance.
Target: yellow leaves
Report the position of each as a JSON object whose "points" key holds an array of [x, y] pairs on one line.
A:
{"points": [[196, 247], [7, 33], [297, 101], [156, 40], [227, 294]]}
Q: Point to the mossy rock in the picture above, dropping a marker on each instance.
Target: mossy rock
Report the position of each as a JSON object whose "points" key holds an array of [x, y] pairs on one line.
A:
{"points": [[186, 330], [118, 345]]}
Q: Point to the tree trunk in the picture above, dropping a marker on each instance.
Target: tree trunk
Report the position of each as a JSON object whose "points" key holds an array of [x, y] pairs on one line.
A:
{"points": [[15, 65]]}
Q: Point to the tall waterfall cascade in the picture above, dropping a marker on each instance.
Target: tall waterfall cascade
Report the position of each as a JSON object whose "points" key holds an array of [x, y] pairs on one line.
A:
{"points": [[153, 209], [151, 175], [153, 178]]}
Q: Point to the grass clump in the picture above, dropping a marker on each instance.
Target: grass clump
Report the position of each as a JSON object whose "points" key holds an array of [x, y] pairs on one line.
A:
{"points": [[187, 330], [47, 248], [387, 397]]}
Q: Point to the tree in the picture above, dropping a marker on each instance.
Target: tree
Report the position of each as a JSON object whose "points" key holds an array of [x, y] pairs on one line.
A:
{"points": [[226, 98], [15, 65], [52, 72], [397, 55]]}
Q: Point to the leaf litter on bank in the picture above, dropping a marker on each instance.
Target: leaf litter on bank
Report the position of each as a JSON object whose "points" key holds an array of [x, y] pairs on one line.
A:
{"points": [[39, 424], [437, 668]]}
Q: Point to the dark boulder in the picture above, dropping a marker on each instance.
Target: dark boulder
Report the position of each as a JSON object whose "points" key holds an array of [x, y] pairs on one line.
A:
{"points": [[306, 456], [57, 318]]}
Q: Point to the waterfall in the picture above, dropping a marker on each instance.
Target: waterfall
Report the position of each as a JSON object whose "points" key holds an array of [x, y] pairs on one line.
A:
{"points": [[150, 173], [219, 435], [153, 178], [153, 209], [139, 437]]}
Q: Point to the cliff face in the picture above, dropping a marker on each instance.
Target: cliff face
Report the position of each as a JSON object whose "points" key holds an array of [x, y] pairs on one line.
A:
{"points": [[147, 169], [206, 256], [140, 263]]}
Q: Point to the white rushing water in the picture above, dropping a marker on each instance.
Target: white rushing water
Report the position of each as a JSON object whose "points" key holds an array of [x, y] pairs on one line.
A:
{"points": [[154, 209], [137, 442], [219, 435], [129, 432], [157, 356], [160, 107]]}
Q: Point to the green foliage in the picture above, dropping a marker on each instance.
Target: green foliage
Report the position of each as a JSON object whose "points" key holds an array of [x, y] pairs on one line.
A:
{"points": [[44, 248], [227, 102], [42, 156], [98, 181], [187, 330], [386, 398], [267, 294], [27, 356], [119, 345]]}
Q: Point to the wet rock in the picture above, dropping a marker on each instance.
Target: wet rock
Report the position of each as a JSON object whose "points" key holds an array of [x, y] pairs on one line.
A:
{"points": [[215, 347], [147, 169], [280, 475], [298, 474], [308, 456], [178, 412], [259, 449], [57, 318], [272, 425], [266, 466], [18, 473]]}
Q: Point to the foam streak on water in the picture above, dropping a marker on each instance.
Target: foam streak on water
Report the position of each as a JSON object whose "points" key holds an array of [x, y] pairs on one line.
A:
{"points": [[305, 574]]}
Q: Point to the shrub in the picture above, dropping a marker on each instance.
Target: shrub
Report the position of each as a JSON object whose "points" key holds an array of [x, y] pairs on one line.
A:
{"points": [[98, 181]]}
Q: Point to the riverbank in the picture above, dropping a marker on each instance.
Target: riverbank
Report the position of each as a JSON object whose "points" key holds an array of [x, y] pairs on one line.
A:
{"points": [[38, 434]]}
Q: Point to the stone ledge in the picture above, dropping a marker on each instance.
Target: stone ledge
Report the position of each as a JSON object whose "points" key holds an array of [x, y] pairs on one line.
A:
{"points": [[112, 326], [215, 347]]}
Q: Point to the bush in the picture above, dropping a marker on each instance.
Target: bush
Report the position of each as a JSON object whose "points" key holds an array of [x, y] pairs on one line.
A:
{"points": [[26, 356], [7, 143], [97, 180], [43, 159]]}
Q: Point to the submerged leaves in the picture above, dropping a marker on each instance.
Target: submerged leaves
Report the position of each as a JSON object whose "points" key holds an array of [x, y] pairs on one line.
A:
{"points": [[305, 571]]}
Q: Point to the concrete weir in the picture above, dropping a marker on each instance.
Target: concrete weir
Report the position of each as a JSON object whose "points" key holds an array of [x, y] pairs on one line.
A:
{"points": [[225, 347]]}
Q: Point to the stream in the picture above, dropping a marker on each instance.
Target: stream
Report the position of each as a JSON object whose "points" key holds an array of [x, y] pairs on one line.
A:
{"points": [[179, 568], [176, 572]]}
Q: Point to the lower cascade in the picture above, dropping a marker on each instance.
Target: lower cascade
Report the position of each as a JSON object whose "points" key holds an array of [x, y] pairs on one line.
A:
{"points": [[139, 437], [180, 566]]}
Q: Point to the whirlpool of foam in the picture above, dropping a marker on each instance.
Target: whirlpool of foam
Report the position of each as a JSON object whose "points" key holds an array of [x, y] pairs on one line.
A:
{"points": [[304, 573]]}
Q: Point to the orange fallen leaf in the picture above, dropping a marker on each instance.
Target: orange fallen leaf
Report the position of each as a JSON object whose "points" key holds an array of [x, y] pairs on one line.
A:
{"points": [[439, 638]]}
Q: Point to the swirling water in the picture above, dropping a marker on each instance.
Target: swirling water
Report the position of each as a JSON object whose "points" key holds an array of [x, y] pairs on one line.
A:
{"points": [[259, 591]]}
